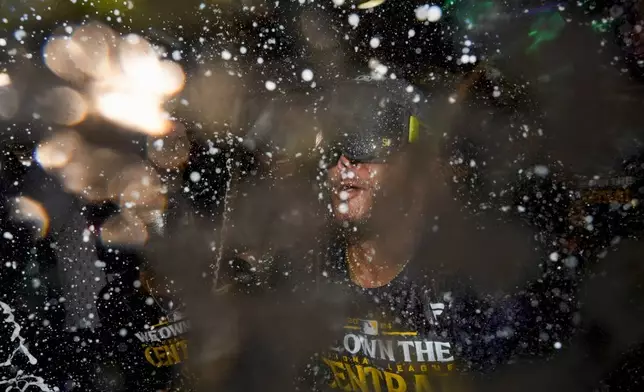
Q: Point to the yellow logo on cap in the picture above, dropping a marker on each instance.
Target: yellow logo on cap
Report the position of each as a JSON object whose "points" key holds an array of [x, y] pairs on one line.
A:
{"points": [[414, 126], [386, 142]]}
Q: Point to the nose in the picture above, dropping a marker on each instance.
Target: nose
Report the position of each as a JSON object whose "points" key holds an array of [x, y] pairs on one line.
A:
{"points": [[343, 162]]}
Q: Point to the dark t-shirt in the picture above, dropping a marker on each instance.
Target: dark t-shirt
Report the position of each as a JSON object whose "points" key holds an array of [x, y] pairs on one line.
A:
{"points": [[479, 293], [145, 343], [394, 338], [628, 375], [433, 331]]}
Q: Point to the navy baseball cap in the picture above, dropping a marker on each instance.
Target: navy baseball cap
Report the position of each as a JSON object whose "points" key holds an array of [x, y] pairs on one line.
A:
{"points": [[367, 120]]}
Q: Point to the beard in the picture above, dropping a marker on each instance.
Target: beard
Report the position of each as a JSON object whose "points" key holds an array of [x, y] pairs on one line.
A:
{"points": [[393, 216], [356, 229]]}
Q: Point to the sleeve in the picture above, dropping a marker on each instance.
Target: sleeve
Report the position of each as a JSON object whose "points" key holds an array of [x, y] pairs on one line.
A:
{"points": [[577, 226], [533, 322], [539, 318]]}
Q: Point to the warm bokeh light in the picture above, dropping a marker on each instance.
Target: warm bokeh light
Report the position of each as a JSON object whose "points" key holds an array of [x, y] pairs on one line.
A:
{"points": [[138, 110], [57, 151], [89, 173], [5, 79], [58, 58], [86, 54], [139, 187], [141, 67], [124, 229], [171, 150], [124, 78], [80, 178], [82, 169], [97, 43], [172, 77], [9, 100], [62, 105], [25, 209], [98, 174]]}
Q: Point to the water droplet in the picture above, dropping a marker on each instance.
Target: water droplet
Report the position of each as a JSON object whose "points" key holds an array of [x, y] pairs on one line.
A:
{"points": [[307, 75], [354, 19], [541, 170]]}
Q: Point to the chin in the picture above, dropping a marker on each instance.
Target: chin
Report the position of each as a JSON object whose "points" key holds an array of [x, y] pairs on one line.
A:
{"points": [[356, 209], [352, 216], [347, 218]]}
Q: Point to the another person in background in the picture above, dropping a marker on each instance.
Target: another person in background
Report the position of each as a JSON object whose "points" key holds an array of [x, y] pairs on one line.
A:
{"points": [[144, 328]]}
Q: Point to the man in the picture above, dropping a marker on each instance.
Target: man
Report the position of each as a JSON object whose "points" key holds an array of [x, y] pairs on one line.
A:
{"points": [[144, 333], [411, 265]]}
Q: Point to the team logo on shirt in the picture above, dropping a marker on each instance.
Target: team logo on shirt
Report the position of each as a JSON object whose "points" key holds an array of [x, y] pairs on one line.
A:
{"points": [[383, 356], [376, 355], [435, 310], [163, 343], [369, 327]]}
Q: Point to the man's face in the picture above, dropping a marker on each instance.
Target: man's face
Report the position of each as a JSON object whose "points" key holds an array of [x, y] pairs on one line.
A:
{"points": [[353, 188]]}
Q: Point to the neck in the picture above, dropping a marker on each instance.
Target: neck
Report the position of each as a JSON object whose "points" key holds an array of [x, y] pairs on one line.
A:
{"points": [[371, 265]]}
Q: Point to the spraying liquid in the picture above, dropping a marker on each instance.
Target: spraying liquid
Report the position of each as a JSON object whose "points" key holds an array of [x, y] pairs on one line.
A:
{"points": [[20, 380], [225, 217]]}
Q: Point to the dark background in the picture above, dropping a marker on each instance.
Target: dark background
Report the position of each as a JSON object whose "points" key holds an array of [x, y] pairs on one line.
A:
{"points": [[580, 84]]}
